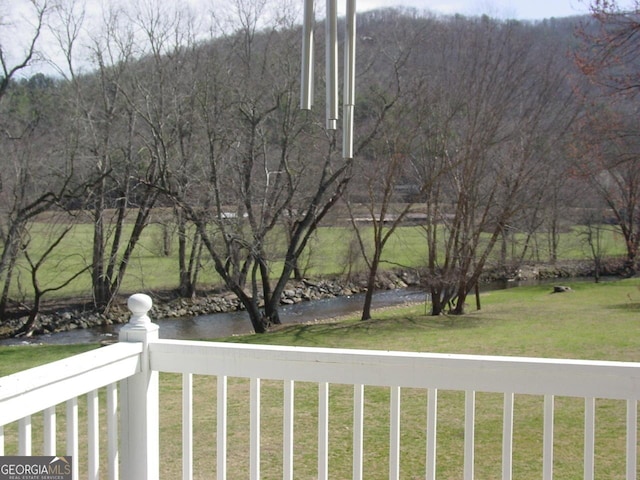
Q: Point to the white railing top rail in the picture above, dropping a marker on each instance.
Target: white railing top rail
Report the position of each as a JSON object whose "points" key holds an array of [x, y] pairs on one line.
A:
{"points": [[536, 376], [33, 390]]}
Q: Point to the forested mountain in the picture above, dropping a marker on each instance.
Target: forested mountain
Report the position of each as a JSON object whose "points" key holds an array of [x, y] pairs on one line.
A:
{"points": [[470, 121]]}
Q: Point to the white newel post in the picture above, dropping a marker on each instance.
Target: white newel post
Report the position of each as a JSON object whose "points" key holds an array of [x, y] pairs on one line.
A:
{"points": [[139, 411]]}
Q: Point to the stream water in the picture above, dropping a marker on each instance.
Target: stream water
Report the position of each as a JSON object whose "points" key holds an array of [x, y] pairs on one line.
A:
{"points": [[227, 324]]}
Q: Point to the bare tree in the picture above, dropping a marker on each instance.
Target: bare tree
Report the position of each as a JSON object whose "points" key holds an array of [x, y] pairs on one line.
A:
{"points": [[271, 170], [118, 168], [592, 236], [12, 29], [12, 63], [608, 160], [609, 53], [39, 290], [609, 143], [36, 176], [384, 211], [168, 86], [494, 118], [253, 169], [386, 165]]}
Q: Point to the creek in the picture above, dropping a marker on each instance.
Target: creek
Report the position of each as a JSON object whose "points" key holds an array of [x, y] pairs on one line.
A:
{"points": [[219, 325]]}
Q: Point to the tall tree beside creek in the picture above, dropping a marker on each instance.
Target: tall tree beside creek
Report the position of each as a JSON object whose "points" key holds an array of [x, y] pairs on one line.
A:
{"points": [[118, 168], [18, 125], [36, 179], [166, 85], [497, 102], [384, 189], [272, 171], [608, 134], [258, 168]]}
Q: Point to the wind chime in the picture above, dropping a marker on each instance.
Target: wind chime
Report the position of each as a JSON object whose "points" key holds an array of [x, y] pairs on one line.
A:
{"points": [[331, 68]]}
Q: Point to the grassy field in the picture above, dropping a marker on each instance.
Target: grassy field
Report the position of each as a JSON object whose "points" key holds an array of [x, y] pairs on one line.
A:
{"points": [[591, 322], [332, 251]]}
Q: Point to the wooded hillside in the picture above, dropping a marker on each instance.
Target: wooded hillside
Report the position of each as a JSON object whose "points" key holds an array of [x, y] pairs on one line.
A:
{"points": [[481, 128]]}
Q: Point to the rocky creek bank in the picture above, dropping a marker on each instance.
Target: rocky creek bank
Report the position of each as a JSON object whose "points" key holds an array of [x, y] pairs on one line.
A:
{"points": [[63, 317]]}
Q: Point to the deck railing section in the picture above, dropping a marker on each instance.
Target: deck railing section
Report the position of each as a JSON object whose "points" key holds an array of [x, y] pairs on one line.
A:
{"points": [[122, 371], [398, 370], [40, 389], [135, 362]]}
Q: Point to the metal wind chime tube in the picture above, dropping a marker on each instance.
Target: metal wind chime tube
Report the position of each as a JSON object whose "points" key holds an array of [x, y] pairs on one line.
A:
{"points": [[349, 83], [332, 64], [306, 83], [331, 68]]}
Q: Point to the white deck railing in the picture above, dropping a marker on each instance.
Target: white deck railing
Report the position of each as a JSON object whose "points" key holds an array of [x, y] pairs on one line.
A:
{"points": [[134, 363]]}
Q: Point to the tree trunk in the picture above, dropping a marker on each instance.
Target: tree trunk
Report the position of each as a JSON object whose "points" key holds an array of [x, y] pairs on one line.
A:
{"points": [[439, 300], [187, 286], [271, 315], [632, 251], [29, 327], [258, 320], [297, 272], [553, 242], [8, 276], [99, 283], [368, 296], [371, 282], [166, 241], [460, 302]]}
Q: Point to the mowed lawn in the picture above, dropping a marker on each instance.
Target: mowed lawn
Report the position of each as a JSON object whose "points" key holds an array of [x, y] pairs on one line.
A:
{"points": [[590, 322], [332, 251]]}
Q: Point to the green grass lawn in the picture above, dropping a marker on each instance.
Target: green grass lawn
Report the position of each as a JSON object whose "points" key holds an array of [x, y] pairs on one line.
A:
{"points": [[332, 251], [590, 322], [593, 321]]}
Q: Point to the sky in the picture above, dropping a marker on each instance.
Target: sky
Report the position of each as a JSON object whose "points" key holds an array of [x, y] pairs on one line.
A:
{"points": [[16, 16], [514, 9]]}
